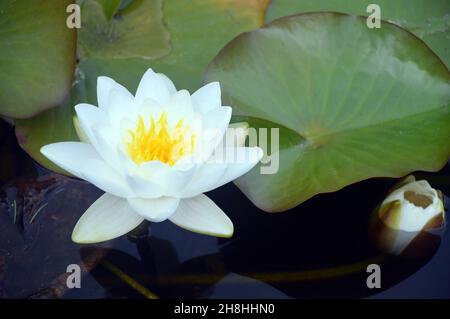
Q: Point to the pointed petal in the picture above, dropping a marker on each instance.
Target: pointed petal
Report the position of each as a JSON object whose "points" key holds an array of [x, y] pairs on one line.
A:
{"points": [[102, 175], [213, 172], [89, 116], [108, 217], [169, 84], [154, 87], [245, 158], [221, 168], [215, 124], [155, 210], [204, 178], [94, 123], [120, 106], [143, 187], [218, 119], [82, 160], [181, 103], [106, 143], [104, 87], [70, 156], [171, 179], [201, 215], [207, 98], [150, 107]]}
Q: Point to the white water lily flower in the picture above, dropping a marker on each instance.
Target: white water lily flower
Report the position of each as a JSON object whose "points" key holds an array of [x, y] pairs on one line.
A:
{"points": [[154, 154]]}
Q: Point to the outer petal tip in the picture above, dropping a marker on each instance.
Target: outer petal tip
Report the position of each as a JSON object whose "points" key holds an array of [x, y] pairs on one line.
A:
{"points": [[201, 215], [107, 218], [168, 82], [43, 150], [207, 98], [227, 233]]}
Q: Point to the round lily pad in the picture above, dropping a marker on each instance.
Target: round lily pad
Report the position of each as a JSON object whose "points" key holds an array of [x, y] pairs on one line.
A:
{"points": [[350, 103]]}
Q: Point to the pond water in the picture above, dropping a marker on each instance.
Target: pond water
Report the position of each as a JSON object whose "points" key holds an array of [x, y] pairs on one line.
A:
{"points": [[318, 249]]}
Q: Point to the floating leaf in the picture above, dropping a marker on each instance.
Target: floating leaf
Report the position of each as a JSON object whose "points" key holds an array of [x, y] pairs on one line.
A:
{"points": [[429, 20], [37, 56], [135, 31], [351, 103], [199, 29]]}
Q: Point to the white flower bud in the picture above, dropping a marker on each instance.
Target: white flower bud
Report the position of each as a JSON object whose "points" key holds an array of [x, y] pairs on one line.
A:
{"points": [[409, 220]]}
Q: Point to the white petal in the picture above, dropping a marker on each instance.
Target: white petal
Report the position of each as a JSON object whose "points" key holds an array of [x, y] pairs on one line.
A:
{"points": [[89, 116], [108, 217], [82, 160], [143, 187], [205, 178], [169, 84], [181, 103], [218, 118], [245, 158], [201, 215], [104, 87], [150, 108], [154, 87], [215, 124], [172, 179], [207, 98], [106, 143], [70, 156], [120, 106], [155, 210], [212, 172], [102, 175]]}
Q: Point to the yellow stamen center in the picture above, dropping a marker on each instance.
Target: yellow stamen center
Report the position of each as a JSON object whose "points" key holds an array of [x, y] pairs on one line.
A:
{"points": [[159, 142]]}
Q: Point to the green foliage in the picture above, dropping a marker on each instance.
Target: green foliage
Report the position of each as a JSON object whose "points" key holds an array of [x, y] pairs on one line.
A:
{"points": [[353, 103], [37, 56], [428, 19]]}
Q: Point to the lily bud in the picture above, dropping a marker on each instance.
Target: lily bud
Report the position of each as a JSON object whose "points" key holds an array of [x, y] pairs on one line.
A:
{"points": [[410, 220]]}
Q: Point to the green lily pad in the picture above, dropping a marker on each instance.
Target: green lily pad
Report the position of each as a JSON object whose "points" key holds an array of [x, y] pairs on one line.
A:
{"points": [[37, 56], [198, 30], [429, 20], [135, 31], [351, 103]]}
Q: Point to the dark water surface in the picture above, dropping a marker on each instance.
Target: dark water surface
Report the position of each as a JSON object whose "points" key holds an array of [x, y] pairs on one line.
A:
{"points": [[318, 249]]}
